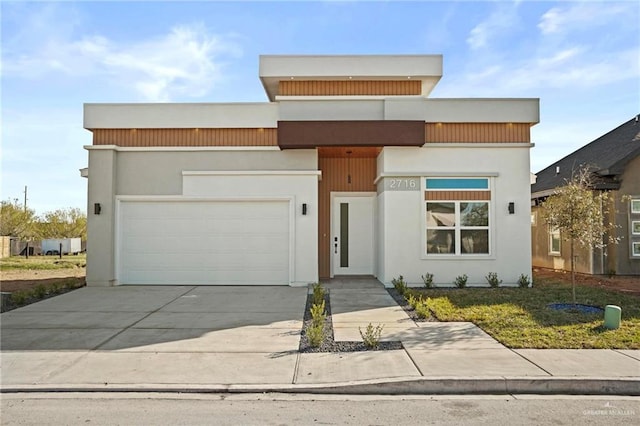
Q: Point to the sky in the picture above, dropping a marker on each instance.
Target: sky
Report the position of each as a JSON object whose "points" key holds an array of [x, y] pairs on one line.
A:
{"points": [[582, 59]]}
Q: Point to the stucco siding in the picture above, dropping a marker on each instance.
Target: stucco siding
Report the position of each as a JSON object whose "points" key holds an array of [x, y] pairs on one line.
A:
{"points": [[630, 187], [510, 253]]}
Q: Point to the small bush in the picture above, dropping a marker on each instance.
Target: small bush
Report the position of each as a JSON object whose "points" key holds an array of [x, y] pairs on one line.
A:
{"points": [[40, 291], [428, 280], [371, 335], [19, 298], [399, 284], [315, 335], [492, 279], [318, 293], [524, 281], [318, 314], [461, 281], [422, 309], [412, 300]]}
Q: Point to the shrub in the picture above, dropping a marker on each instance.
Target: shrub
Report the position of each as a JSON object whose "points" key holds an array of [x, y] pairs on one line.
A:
{"points": [[318, 293], [318, 314], [422, 309], [524, 281], [371, 335], [412, 300], [461, 281], [492, 279], [399, 284], [428, 280], [315, 335], [19, 298], [40, 291]]}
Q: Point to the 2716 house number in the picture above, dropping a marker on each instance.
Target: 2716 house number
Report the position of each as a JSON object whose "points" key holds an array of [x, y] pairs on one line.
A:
{"points": [[403, 184]]}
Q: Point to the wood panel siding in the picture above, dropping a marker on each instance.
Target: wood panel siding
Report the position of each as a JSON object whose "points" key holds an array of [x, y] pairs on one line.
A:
{"points": [[335, 178], [457, 195], [349, 151], [349, 87], [185, 137], [477, 132], [312, 134]]}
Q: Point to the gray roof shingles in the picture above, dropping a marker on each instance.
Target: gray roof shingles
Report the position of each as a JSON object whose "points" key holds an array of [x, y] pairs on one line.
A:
{"points": [[607, 156]]}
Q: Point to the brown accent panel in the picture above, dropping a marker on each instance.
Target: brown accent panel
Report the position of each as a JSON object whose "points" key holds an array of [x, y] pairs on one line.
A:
{"points": [[335, 178], [311, 134], [349, 87], [186, 137], [457, 195], [477, 132]]}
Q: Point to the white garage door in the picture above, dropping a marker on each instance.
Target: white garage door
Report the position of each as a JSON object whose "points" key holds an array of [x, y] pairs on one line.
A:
{"points": [[204, 242]]}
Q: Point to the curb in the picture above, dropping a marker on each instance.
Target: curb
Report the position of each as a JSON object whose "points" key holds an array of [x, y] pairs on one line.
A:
{"points": [[628, 386]]}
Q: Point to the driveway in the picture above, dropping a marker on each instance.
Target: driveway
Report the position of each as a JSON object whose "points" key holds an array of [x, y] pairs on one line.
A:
{"points": [[155, 334]]}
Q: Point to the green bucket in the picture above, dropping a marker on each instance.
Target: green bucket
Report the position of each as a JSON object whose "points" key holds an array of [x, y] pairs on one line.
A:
{"points": [[612, 316]]}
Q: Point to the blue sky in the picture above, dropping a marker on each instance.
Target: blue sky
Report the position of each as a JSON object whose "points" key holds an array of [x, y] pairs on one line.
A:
{"points": [[582, 59]]}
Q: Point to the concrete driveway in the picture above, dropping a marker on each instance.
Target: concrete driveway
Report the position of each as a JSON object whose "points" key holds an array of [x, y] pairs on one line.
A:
{"points": [[155, 334]]}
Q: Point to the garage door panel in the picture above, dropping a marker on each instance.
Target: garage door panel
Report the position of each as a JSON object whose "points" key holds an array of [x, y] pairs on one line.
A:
{"points": [[212, 242]]}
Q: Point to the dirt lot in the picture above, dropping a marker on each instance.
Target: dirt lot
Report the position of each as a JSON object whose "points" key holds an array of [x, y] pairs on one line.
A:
{"points": [[623, 284], [11, 281]]}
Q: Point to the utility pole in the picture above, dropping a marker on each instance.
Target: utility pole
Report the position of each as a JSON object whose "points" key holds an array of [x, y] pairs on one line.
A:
{"points": [[25, 198]]}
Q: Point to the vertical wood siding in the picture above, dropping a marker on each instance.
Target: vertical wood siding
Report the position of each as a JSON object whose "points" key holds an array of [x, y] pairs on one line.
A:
{"points": [[349, 87], [186, 137], [477, 132], [335, 172], [457, 195]]}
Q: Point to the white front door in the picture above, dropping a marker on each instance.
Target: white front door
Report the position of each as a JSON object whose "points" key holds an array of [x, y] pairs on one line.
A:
{"points": [[352, 239]]}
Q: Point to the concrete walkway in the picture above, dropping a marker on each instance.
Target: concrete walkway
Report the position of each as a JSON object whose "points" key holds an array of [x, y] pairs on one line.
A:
{"points": [[245, 339]]}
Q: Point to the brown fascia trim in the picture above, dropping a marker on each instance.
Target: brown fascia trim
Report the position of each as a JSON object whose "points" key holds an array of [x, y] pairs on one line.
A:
{"points": [[311, 134]]}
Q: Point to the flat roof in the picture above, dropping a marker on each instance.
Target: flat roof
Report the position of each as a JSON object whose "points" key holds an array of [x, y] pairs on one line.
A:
{"points": [[274, 68]]}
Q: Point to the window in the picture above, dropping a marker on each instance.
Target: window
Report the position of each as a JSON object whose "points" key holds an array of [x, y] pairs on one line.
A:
{"points": [[457, 227], [635, 227], [635, 206], [635, 252], [554, 241]]}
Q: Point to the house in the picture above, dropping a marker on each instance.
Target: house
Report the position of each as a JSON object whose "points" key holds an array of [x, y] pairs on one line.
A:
{"points": [[350, 168], [614, 159]]}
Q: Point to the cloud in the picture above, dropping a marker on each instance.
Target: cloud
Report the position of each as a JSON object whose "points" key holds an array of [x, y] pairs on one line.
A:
{"points": [[583, 16], [499, 22], [186, 61]]}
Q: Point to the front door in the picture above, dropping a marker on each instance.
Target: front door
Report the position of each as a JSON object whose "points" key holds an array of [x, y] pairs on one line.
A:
{"points": [[352, 242]]}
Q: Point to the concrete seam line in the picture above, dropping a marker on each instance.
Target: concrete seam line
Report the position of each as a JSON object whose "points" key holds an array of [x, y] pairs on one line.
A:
{"points": [[529, 361], [622, 353], [412, 360], [136, 322], [296, 367]]}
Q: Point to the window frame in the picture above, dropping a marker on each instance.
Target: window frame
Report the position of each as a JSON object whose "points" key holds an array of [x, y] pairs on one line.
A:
{"points": [[633, 223], [552, 233], [458, 228], [632, 202], [635, 244]]}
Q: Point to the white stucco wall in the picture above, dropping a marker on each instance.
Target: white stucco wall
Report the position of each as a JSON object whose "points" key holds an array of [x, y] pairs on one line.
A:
{"points": [[402, 236]]}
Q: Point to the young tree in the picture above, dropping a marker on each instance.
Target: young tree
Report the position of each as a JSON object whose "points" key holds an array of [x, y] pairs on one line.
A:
{"points": [[580, 214]]}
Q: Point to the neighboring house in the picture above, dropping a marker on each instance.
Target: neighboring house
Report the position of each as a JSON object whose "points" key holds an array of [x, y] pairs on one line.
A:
{"points": [[614, 159], [349, 169]]}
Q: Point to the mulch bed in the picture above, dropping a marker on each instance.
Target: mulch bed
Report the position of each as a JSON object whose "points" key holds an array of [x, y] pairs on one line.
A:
{"points": [[329, 344]]}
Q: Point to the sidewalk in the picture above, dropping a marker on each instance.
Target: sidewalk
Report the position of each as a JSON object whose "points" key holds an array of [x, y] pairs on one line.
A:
{"points": [[245, 339]]}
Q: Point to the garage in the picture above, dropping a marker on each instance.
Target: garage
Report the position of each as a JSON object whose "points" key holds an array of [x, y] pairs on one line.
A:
{"points": [[203, 242]]}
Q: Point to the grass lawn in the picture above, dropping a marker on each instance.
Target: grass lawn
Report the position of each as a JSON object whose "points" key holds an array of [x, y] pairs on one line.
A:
{"points": [[519, 317], [43, 262]]}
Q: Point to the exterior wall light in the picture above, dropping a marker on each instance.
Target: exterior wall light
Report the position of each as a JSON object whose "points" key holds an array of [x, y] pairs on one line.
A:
{"points": [[512, 207], [304, 209], [97, 208]]}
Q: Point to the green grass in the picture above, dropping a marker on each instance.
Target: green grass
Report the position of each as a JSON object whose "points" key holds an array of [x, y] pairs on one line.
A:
{"points": [[43, 262], [519, 317]]}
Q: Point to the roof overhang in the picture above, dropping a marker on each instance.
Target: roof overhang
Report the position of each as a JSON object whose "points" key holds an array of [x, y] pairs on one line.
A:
{"points": [[275, 68]]}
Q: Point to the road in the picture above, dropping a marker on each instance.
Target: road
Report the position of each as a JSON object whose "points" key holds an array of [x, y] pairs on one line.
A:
{"points": [[280, 409]]}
